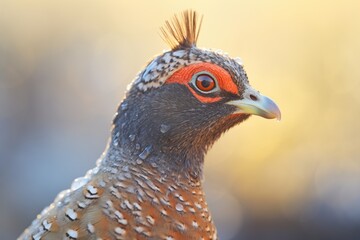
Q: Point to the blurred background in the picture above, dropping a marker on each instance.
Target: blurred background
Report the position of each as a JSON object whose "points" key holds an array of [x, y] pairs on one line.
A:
{"points": [[64, 67]]}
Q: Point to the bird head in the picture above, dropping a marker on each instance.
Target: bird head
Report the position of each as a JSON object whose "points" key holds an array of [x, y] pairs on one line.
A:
{"points": [[183, 100]]}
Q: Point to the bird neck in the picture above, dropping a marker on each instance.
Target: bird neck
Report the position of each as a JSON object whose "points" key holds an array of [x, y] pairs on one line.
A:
{"points": [[138, 138]]}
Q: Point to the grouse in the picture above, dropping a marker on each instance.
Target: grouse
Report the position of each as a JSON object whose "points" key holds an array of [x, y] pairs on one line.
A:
{"points": [[148, 182]]}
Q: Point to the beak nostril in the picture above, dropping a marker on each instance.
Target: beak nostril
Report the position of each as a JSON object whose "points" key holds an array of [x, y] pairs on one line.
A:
{"points": [[253, 97]]}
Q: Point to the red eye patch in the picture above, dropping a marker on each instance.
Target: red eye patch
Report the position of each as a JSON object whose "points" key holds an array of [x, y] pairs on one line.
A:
{"points": [[185, 74]]}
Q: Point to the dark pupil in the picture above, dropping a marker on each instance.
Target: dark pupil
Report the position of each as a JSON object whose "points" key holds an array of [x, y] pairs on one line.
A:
{"points": [[205, 81]]}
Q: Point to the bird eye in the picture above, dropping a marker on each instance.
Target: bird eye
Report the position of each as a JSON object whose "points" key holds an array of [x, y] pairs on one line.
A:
{"points": [[205, 82]]}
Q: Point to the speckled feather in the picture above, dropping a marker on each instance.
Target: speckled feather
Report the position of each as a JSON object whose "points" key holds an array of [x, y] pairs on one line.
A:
{"points": [[128, 202], [147, 184], [155, 74]]}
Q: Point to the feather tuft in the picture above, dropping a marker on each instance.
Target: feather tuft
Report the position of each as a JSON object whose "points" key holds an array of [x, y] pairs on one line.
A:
{"points": [[182, 31]]}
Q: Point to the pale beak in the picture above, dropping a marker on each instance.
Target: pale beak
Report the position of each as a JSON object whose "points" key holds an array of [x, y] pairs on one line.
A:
{"points": [[256, 104]]}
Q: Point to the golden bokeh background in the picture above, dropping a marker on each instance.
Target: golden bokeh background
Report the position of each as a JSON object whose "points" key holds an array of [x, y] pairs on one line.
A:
{"points": [[64, 66]]}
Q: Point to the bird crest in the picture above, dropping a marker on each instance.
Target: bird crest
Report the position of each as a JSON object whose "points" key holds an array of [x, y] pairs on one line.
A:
{"points": [[182, 30]]}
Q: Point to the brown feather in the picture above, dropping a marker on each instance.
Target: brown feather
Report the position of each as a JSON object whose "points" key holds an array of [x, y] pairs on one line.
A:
{"points": [[182, 31]]}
